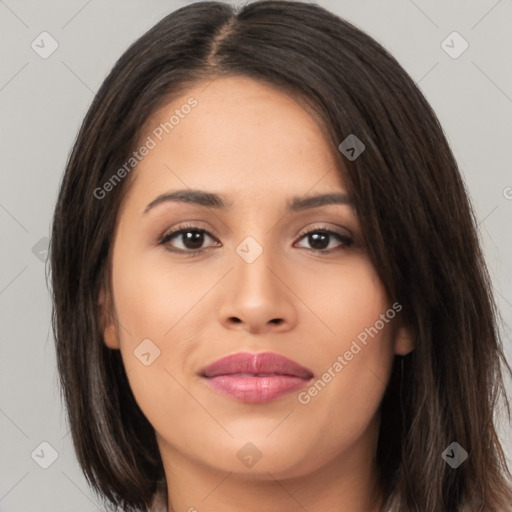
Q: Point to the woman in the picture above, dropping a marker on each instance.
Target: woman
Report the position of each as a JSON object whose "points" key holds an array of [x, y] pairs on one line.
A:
{"points": [[268, 288]]}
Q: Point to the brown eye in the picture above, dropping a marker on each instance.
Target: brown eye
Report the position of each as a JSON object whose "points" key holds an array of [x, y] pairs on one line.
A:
{"points": [[320, 239], [192, 238], [189, 238]]}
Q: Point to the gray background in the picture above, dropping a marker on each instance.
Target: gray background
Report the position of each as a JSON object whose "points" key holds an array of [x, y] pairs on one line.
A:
{"points": [[42, 103]]}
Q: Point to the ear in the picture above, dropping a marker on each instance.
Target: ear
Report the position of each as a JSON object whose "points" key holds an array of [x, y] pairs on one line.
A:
{"points": [[404, 340], [110, 336]]}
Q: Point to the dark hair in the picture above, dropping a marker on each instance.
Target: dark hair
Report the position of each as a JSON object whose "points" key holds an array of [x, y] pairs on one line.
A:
{"points": [[413, 209]]}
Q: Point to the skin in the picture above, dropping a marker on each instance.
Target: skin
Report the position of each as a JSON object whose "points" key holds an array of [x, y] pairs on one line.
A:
{"points": [[258, 148]]}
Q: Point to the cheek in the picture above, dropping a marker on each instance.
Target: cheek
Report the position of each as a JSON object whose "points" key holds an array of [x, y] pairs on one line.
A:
{"points": [[153, 297], [159, 329], [347, 299], [355, 353], [153, 343]]}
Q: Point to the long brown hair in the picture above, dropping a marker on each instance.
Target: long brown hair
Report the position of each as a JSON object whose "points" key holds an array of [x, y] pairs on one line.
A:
{"points": [[414, 211]]}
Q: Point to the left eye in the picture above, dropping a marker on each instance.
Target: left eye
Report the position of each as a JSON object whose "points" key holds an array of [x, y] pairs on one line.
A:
{"points": [[192, 239], [320, 239]]}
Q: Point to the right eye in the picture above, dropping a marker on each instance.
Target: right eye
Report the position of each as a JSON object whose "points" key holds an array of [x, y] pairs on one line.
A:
{"points": [[192, 239]]}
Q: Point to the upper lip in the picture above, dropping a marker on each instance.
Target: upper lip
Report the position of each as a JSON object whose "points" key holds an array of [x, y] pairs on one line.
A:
{"points": [[268, 363]]}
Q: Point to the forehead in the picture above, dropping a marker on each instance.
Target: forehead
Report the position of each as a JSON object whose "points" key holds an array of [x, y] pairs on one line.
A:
{"points": [[241, 137]]}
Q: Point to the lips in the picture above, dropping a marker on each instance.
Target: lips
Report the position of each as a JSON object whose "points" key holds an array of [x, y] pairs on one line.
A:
{"points": [[256, 378]]}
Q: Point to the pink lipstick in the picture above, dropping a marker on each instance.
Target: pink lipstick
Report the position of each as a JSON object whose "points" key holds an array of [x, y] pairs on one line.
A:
{"points": [[256, 378]]}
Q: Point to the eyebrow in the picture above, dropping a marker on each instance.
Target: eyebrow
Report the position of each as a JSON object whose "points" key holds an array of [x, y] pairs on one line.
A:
{"points": [[211, 200]]}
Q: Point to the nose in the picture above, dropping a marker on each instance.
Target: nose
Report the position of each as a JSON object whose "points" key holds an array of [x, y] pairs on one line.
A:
{"points": [[257, 298]]}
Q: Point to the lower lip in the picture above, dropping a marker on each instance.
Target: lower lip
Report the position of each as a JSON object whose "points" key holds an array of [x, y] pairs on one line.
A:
{"points": [[256, 389]]}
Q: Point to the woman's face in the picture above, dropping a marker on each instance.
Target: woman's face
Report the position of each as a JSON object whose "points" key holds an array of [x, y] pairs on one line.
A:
{"points": [[259, 284]]}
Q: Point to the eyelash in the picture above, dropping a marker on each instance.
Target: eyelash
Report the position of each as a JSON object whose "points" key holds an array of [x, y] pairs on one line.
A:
{"points": [[346, 241]]}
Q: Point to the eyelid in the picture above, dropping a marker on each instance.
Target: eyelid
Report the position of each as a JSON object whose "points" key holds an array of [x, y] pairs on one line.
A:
{"points": [[325, 227], [346, 240], [183, 228]]}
